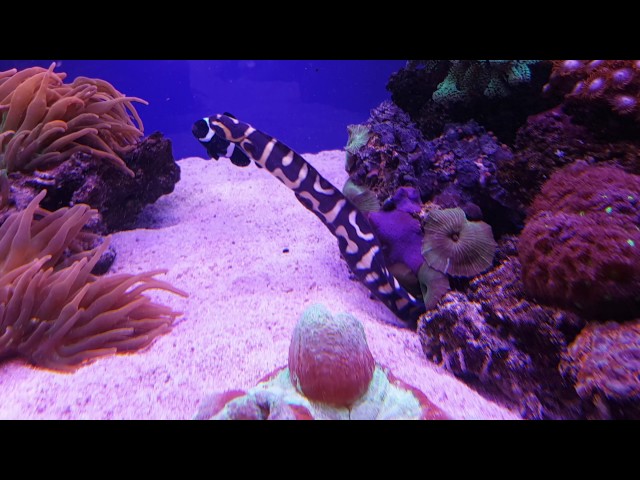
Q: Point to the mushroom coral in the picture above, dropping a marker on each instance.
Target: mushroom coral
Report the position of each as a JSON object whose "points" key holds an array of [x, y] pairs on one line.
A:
{"points": [[44, 121], [455, 246], [53, 311]]}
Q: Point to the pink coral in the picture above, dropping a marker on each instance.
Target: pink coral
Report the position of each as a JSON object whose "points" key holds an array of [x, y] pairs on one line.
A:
{"points": [[329, 359], [585, 189], [581, 246]]}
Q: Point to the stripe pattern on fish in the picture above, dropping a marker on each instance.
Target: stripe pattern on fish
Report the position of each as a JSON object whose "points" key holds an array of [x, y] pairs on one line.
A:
{"points": [[224, 136]]}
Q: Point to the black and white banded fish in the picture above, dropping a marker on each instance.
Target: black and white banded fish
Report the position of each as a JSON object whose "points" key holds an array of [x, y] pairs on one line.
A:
{"points": [[225, 136]]}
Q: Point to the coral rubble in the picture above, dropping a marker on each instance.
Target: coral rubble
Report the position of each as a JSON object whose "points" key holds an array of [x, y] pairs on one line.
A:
{"points": [[331, 375]]}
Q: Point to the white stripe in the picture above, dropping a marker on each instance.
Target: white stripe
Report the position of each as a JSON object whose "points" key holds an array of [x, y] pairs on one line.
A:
{"points": [[352, 221], [287, 159], [318, 188], [314, 202], [367, 259], [229, 151], [267, 151], [331, 215], [352, 247], [209, 134], [371, 277], [278, 173]]}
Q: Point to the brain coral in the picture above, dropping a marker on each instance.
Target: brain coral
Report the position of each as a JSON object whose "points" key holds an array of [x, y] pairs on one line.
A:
{"points": [[583, 249], [329, 359], [603, 363]]}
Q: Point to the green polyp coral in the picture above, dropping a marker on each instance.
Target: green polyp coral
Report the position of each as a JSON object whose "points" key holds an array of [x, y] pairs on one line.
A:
{"points": [[358, 137], [467, 79]]}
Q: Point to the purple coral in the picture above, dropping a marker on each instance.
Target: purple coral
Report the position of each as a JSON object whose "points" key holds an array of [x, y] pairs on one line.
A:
{"points": [[399, 230]]}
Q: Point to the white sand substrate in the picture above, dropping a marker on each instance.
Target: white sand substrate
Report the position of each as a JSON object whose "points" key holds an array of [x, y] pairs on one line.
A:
{"points": [[221, 234]]}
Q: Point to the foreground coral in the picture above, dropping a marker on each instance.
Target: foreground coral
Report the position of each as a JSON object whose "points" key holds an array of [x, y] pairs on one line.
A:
{"points": [[331, 375], [53, 311], [45, 121]]}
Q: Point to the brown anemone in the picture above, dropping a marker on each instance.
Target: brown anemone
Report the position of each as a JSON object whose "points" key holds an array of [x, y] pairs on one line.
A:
{"points": [[45, 121], [53, 311]]}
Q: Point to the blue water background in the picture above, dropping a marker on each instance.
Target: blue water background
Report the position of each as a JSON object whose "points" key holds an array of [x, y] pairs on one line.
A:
{"points": [[307, 104]]}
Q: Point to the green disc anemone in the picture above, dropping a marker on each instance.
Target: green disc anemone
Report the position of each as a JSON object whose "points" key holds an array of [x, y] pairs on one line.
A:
{"points": [[455, 246]]}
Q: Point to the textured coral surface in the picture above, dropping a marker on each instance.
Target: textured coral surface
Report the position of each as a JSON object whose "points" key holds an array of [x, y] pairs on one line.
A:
{"points": [[600, 93], [604, 364], [457, 169], [329, 359], [503, 344], [581, 248]]}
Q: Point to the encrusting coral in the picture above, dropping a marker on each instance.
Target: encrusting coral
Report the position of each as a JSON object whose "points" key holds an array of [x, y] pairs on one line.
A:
{"points": [[45, 121], [53, 311]]}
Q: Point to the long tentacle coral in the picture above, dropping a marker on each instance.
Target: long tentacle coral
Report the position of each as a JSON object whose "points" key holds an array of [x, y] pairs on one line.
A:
{"points": [[45, 121], [54, 312]]}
